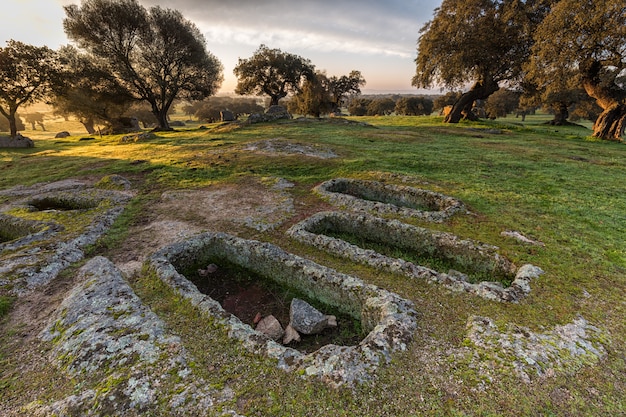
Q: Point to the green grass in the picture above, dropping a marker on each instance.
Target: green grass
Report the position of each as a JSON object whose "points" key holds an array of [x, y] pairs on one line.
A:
{"points": [[437, 263], [552, 184], [5, 305]]}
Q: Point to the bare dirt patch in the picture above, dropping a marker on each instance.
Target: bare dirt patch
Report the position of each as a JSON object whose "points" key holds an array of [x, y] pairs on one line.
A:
{"points": [[179, 214]]}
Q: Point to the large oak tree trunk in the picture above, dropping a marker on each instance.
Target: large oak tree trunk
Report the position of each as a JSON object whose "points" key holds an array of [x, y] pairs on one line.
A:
{"points": [[612, 121], [560, 114], [89, 126], [481, 90]]}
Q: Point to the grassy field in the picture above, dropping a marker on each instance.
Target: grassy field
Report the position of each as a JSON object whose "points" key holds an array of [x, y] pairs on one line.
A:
{"points": [[553, 184]]}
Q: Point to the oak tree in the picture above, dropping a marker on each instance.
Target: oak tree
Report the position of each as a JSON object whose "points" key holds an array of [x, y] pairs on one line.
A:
{"points": [[343, 86], [88, 91], [584, 43], [414, 106], [27, 73], [156, 54], [482, 42], [314, 97], [272, 72]]}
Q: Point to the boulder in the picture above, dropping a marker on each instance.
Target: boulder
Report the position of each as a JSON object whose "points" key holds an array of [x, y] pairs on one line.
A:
{"points": [[276, 110], [227, 116], [270, 327], [271, 114], [62, 135], [18, 141], [305, 318]]}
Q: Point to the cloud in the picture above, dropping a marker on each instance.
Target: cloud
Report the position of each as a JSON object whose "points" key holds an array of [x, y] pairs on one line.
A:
{"points": [[364, 27]]}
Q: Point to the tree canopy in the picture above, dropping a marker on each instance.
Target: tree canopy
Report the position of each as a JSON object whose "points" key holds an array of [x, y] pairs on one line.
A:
{"points": [[27, 73], [156, 54], [340, 87], [314, 97], [582, 44], [321, 94], [88, 91], [483, 42], [414, 106], [272, 72]]}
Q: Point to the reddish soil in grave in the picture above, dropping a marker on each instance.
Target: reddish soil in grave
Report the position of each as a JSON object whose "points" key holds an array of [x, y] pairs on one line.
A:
{"points": [[245, 294]]}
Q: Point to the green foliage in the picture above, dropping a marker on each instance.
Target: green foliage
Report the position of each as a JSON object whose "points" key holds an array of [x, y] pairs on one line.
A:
{"points": [[381, 107], [156, 54], [501, 103], [346, 85], [27, 73], [475, 40], [209, 110], [314, 97], [272, 72], [88, 91], [358, 107], [581, 44], [414, 106], [5, 305], [4, 124]]}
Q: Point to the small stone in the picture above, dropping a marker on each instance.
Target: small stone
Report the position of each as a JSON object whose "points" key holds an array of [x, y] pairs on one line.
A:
{"points": [[257, 318], [270, 327], [210, 269], [305, 318], [331, 321], [291, 335]]}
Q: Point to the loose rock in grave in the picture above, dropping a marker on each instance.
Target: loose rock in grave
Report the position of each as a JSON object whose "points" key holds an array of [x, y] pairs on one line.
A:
{"points": [[268, 307]]}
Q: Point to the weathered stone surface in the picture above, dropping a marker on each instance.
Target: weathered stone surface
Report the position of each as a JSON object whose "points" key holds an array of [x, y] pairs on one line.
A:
{"points": [[102, 332], [305, 318], [62, 135], [478, 256], [270, 327], [18, 141], [138, 137], [36, 263], [518, 236], [16, 232], [377, 197], [281, 146], [388, 320], [562, 350], [114, 182], [271, 114]]}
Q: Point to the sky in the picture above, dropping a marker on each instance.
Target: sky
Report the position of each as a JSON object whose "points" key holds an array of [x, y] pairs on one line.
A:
{"points": [[375, 37]]}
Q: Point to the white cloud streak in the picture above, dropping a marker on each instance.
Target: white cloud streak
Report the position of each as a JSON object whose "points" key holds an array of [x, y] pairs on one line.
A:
{"points": [[366, 27]]}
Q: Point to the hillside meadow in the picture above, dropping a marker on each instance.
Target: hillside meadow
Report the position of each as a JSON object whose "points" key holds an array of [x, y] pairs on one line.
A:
{"points": [[554, 185]]}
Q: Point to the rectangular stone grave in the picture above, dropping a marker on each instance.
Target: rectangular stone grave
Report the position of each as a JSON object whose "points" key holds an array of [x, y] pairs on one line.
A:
{"points": [[377, 197], [462, 258], [387, 319]]}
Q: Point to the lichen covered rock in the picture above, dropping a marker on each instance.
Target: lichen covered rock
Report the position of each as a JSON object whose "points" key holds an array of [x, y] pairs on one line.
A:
{"points": [[104, 336]]}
